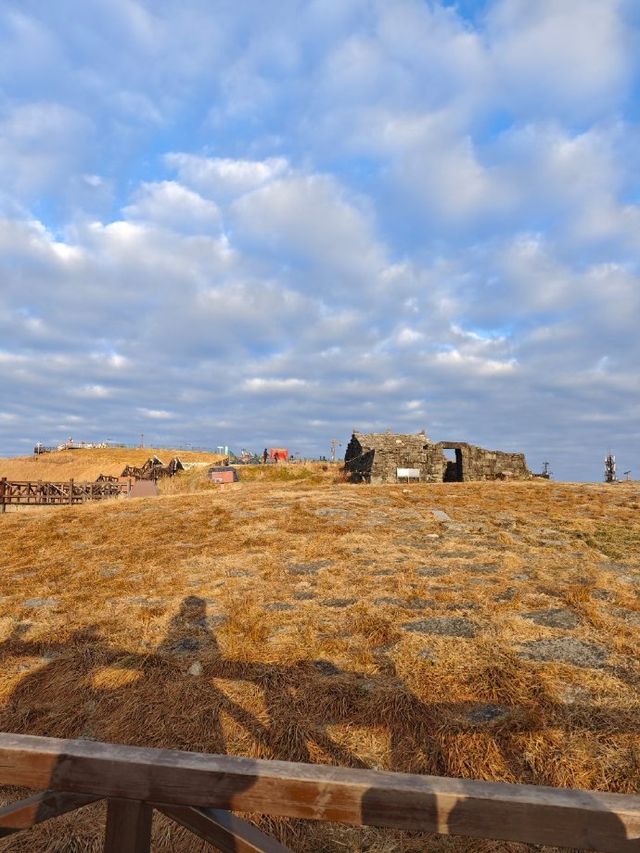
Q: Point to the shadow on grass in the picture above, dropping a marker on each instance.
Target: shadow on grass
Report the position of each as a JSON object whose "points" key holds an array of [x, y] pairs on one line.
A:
{"points": [[188, 695]]}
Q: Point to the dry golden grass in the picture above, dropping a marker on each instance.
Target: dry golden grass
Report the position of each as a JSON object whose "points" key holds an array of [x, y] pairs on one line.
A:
{"points": [[293, 598], [87, 465]]}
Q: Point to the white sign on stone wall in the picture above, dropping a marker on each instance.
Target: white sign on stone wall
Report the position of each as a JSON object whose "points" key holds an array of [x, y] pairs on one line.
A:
{"points": [[408, 473]]}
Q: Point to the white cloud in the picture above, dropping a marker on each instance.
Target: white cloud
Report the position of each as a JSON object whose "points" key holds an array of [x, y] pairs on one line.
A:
{"points": [[311, 217], [474, 364], [259, 384], [93, 391], [407, 335], [156, 414], [372, 211], [572, 57], [224, 178], [167, 203], [39, 143]]}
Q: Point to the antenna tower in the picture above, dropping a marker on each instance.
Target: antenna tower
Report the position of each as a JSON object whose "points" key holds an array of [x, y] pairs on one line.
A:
{"points": [[610, 468]]}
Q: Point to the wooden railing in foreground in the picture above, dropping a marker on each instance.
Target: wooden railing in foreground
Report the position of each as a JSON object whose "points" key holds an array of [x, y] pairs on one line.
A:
{"points": [[199, 791], [41, 492]]}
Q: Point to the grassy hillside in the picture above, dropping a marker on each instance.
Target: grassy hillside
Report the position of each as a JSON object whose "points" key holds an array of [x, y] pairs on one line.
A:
{"points": [[320, 621], [89, 464]]}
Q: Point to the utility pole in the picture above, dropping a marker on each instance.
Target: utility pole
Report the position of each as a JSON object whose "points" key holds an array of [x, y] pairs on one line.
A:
{"points": [[141, 439], [334, 446]]}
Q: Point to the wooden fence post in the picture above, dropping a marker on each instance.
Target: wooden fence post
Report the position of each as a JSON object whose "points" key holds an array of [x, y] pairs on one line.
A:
{"points": [[128, 827], [3, 488], [71, 490]]}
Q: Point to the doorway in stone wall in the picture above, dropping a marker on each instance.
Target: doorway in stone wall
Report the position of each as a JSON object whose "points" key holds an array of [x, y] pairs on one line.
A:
{"points": [[453, 469]]}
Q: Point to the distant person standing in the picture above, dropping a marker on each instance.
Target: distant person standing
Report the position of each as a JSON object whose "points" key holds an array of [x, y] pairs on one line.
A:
{"points": [[275, 456], [265, 455]]}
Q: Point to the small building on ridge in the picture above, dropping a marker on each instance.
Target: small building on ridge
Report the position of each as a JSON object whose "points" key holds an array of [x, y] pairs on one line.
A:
{"points": [[393, 457]]}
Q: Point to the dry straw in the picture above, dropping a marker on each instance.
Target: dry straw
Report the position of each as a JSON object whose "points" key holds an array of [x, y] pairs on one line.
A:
{"points": [[294, 616]]}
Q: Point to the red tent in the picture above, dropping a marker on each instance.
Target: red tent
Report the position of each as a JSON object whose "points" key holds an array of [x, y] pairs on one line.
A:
{"points": [[278, 454]]}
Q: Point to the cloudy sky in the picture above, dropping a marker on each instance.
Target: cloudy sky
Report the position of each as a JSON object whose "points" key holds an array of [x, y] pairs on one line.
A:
{"points": [[255, 223]]}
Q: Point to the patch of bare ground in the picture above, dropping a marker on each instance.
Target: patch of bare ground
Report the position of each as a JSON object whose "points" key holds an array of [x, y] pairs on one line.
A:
{"points": [[311, 620]]}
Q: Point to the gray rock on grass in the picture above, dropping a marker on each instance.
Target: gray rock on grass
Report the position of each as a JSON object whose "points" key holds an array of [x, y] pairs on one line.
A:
{"points": [[446, 626], [440, 515], [418, 603], [632, 617], [486, 714], [308, 568], [41, 602], [325, 667], [109, 571], [558, 617], [565, 650], [338, 602], [506, 595]]}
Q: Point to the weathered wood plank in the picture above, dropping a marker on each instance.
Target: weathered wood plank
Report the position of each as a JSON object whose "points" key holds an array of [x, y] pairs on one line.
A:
{"points": [[128, 827], [533, 814], [226, 831], [38, 808]]}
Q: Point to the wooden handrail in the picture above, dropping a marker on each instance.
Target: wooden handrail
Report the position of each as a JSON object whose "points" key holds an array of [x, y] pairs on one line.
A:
{"points": [[189, 784], [39, 492]]}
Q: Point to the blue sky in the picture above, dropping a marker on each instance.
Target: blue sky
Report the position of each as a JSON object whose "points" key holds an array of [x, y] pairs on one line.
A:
{"points": [[252, 223]]}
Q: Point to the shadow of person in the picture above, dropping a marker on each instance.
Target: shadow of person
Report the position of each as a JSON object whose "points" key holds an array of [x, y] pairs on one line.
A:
{"points": [[176, 696], [185, 695], [84, 688], [188, 630]]}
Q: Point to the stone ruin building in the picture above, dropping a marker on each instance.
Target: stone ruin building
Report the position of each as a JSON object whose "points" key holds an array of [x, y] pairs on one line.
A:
{"points": [[392, 458]]}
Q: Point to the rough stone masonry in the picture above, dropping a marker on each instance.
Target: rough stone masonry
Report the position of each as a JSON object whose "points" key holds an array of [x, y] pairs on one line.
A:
{"points": [[378, 458]]}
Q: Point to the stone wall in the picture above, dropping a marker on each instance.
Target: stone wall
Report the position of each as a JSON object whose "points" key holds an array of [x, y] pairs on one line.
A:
{"points": [[358, 462], [429, 459], [376, 457], [481, 464]]}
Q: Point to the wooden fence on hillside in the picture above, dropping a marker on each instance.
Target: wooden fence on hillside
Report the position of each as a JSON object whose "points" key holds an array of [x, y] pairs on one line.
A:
{"points": [[39, 492], [199, 791]]}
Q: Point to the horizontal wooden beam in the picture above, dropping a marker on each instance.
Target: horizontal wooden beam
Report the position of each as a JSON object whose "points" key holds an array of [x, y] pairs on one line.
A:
{"points": [[39, 807], [527, 813], [226, 831]]}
